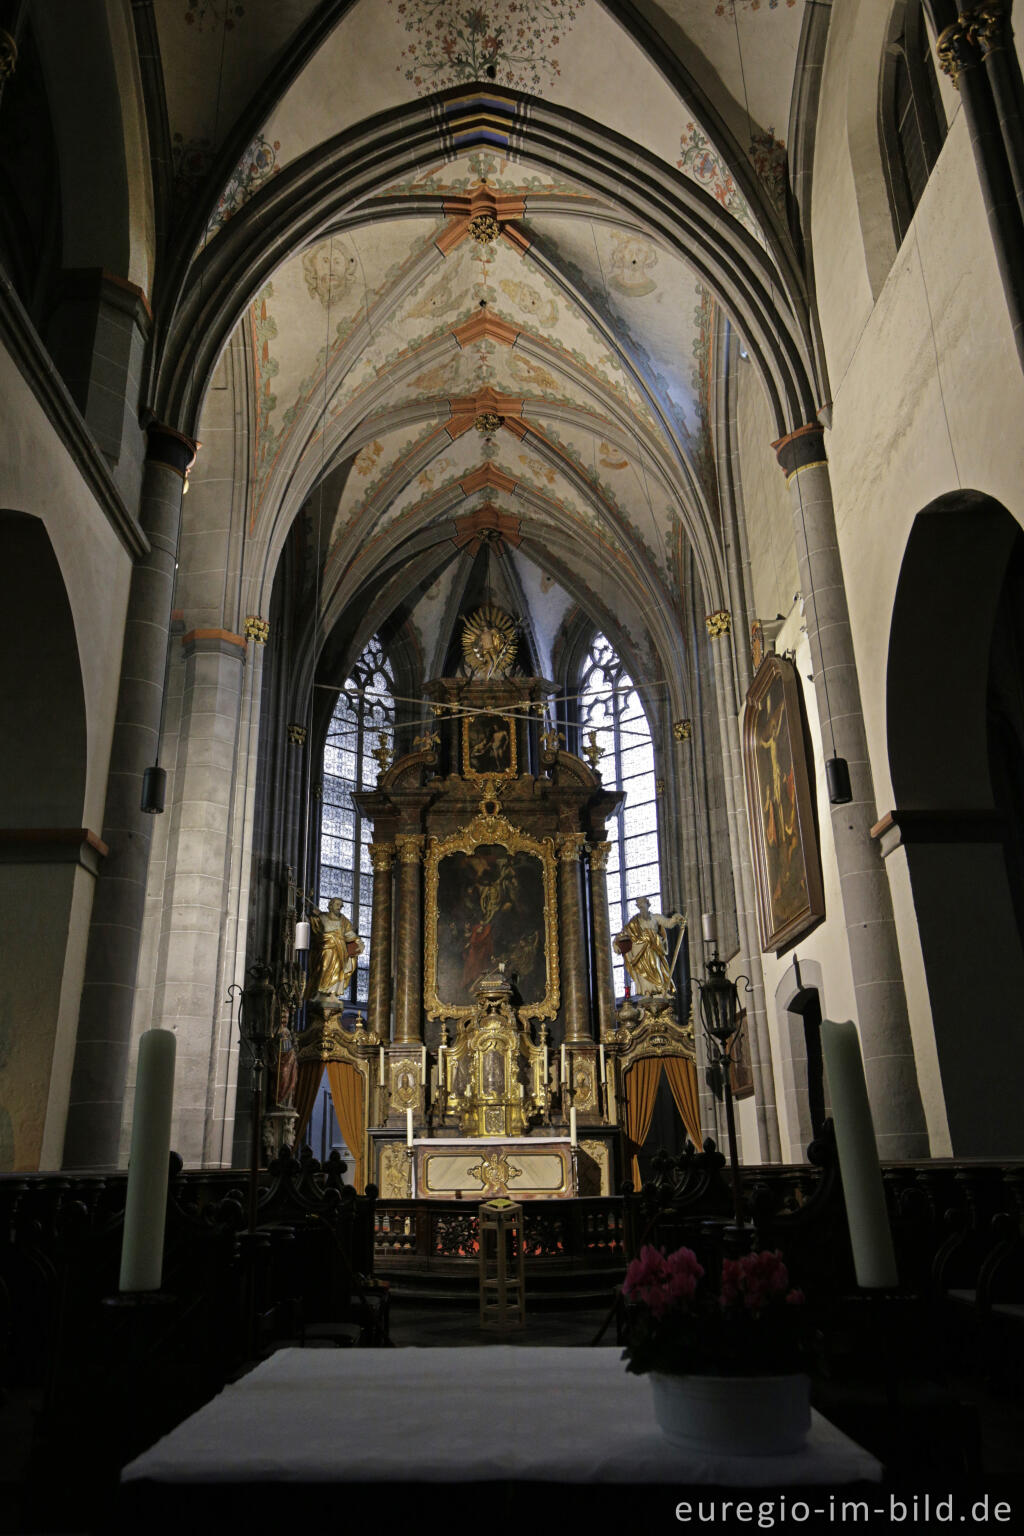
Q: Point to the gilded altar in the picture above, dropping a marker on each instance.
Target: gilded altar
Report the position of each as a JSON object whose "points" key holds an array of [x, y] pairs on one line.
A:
{"points": [[491, 999]]}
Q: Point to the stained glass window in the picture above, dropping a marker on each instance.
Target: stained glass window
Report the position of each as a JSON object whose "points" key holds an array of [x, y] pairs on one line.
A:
{"points": [[610, 706], [365, 710]]}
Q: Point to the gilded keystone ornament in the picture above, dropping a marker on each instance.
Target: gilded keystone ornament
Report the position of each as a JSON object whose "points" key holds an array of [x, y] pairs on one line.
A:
{"points": [[484, 228], [487, 421]]}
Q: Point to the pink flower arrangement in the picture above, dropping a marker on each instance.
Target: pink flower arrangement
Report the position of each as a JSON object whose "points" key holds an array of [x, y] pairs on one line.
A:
{"points": [[678, 1322]]}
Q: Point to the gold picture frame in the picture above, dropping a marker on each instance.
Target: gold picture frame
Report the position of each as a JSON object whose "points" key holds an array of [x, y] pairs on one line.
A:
{"points": [[489, 746], [780, 804], [490, 897]]}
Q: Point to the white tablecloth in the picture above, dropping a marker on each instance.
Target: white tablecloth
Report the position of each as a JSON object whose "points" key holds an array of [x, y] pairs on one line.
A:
{"points": [[460, 1415]]}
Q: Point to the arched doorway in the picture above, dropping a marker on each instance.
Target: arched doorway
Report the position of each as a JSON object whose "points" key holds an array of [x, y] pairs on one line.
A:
{"points": [[955, 707]]}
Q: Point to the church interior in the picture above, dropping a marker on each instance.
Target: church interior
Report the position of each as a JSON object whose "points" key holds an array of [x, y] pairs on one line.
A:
{"points": [[514, 582]]}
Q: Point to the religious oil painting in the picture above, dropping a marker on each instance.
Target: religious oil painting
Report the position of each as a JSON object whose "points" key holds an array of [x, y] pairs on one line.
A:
{"points": [[490, 903], [787, 865], [488, 746]]}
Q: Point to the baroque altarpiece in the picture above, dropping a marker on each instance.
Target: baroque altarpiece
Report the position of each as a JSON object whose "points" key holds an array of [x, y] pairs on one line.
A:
{"points": [[492, 1059]]}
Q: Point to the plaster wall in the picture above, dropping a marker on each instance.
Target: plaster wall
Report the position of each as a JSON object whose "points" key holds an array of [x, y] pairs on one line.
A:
{"points": [[766, 501], [827, 946]]}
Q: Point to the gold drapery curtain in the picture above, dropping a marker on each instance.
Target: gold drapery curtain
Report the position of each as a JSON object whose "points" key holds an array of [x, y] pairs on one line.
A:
{"points": [[347, 1092], [682, 1079], [641, 1085], [307, 1086]]}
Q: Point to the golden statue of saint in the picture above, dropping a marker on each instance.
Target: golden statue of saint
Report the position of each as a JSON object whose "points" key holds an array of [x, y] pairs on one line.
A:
{"points": [[643, 948], [335, 947]]}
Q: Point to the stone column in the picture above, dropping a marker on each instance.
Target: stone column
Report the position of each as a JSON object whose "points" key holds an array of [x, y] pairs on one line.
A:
{"points": [[382, 857], [409, 940], [189, 982], [105, 1016], [719, 626], [682, 735], [570, 913], [604, 983], [867, 901]]}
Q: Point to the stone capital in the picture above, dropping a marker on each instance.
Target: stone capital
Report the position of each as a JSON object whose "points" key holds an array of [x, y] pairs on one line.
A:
{"points": [[801, 449], [570, 846], [381, 857], [599, 855]]}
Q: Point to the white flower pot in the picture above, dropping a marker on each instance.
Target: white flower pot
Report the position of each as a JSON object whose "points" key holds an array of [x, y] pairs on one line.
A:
{"points": [[733, 1415]]}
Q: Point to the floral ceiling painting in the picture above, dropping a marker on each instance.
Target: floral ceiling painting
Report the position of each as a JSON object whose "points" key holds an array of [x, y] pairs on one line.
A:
{"points": [[512, 42]]}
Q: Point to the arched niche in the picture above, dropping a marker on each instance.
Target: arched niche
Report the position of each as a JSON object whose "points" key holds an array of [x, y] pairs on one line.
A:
{"points": [[47, 860], [955, 713]]}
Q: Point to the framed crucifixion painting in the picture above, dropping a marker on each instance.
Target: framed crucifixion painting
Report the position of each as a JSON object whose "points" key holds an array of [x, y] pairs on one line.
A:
{"points": [[780, 805]]}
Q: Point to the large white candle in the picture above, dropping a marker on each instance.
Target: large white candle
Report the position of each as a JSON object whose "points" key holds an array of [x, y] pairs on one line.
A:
{"points": [[423, 1064], [870, 1235], [408, 1127], [564, 1076], [708, 927], [380, 1068], [572, 1125], [545, 1066], [142, 1250], [604, 1075]]}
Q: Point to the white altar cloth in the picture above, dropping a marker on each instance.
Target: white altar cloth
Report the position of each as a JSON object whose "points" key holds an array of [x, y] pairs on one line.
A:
{"points": [[495, 1413]]}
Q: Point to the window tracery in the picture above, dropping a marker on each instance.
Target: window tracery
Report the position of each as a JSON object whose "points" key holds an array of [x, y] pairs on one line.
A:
{"points": [[365, 710], [610, 706]]}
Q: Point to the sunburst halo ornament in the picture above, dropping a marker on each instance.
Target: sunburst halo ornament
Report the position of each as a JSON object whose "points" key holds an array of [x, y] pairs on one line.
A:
{"points": [[489, 641]]}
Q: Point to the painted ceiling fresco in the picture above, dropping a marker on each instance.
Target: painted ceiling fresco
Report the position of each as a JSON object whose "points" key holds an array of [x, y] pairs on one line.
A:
{"points": [[376, 347]]}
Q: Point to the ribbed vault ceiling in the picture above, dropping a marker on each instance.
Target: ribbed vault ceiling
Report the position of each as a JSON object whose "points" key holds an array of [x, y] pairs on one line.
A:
{"points": [[550, 387]]}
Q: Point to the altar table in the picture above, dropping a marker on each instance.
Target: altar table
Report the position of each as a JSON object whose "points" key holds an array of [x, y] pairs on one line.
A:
{"points": [[311, 1422]]}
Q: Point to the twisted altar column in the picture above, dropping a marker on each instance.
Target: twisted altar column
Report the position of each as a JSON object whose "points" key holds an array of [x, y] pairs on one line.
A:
{"points": [[574, 982], [603, 978], [889, 1064], [381, 856], [409, 941]]}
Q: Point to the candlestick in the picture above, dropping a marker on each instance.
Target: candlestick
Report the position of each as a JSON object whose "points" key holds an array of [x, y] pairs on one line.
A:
{"points": [[870, 1235], [142, 1248], [572, 1126], [380, 1068], [600, 1057], [408, 1127]]}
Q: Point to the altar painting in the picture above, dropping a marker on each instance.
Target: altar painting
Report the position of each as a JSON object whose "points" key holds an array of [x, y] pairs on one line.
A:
{"points": [[490, 903], [488, 746]]}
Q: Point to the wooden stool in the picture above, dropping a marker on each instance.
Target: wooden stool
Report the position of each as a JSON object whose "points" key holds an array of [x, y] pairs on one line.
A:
{"points": [[502, 1277]]}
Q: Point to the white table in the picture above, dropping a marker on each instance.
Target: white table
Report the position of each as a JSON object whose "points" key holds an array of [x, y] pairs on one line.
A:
{"points": [[499, 1413]]}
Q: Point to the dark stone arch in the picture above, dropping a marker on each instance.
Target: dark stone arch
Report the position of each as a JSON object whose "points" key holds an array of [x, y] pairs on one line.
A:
{"points": [[954, 647]]}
